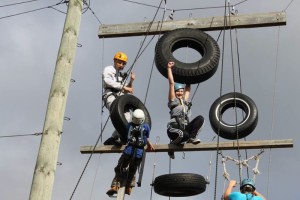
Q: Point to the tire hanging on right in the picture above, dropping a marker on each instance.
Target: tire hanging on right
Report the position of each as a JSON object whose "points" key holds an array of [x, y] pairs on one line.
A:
{"points": [[233, 131]]}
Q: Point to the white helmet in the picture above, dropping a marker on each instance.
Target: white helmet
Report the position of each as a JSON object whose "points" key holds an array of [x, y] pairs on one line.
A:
{"points": [[138, 116]]}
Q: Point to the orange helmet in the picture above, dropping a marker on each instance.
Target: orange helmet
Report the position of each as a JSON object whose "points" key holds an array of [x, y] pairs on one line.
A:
{"points": [[121, 56]]}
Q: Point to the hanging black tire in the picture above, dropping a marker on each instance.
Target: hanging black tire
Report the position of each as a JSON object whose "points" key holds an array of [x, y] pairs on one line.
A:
{"points": [[240, 129], [179, 184], [190, 73], [122, 104]]}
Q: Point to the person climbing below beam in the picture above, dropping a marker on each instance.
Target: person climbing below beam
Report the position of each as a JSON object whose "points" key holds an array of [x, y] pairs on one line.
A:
{"points": [[180, 129], [247, 191], [113, 84], [137, 139]]}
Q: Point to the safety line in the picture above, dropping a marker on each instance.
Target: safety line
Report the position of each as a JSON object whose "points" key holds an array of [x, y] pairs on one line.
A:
{"points": [[221, 87]]}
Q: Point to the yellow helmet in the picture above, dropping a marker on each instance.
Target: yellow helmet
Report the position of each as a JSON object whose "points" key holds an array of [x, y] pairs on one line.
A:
{"points": [[121, 56]]}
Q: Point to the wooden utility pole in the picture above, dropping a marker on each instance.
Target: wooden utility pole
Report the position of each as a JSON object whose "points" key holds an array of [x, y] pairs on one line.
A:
{"points": [[43, 178]]}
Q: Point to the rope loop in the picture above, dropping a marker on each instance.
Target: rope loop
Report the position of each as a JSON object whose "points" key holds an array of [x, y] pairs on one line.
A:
{"points": [[241, 164]]}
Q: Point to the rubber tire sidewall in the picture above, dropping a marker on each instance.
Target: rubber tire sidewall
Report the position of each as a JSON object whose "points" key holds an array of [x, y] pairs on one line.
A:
{"points": [[179, 184], [117, 112], [189, 73], [235, 131]]}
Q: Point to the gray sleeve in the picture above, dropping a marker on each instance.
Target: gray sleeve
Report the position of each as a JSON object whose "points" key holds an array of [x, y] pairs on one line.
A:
{"points": [[109, 78]]}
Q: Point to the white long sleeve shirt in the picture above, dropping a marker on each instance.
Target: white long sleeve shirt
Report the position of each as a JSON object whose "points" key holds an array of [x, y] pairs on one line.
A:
{"points": [[111, 79]]}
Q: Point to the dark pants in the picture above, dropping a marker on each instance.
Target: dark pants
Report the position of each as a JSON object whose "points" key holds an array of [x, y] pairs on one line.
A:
{"points": [[122, 172], [179, 134]]}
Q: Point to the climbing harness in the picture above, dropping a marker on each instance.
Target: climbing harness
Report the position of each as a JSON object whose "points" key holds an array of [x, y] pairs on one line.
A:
{"points": [[136, 137]]}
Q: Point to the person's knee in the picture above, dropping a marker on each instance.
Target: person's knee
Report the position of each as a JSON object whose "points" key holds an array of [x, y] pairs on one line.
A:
{"points": [[128, 116], [109, 101], [200, 118]]}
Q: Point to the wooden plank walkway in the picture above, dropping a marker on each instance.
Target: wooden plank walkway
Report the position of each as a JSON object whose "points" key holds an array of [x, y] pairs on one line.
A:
{"points": [[231, 145]]}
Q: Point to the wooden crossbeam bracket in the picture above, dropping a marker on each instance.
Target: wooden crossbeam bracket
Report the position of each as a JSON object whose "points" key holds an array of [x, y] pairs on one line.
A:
{"points": [[257, 144], [205, 24]]}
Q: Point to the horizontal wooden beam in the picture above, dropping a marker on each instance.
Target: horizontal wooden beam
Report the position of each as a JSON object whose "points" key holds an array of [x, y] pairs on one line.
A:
{"points": [[258, 144], [205, 24]]}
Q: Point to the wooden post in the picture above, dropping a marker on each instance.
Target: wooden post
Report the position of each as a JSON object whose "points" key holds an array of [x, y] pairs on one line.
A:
{"points": [[43, 177], [121, 191]]}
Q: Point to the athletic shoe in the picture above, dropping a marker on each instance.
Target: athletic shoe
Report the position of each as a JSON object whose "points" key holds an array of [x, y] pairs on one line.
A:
{"points": [[194, 141], [113, 190], [128, 190], [113, 141], [109, 141]]}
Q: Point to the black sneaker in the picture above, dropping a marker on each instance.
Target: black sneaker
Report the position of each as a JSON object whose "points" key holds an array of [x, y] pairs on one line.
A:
{"points": [[109, 141], [118, 142], [113, 141], [111, 192], [171, 154]]}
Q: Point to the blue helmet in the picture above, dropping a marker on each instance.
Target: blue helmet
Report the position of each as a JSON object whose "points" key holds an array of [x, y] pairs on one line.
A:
{"points": [[247, 181], [178, 86]]}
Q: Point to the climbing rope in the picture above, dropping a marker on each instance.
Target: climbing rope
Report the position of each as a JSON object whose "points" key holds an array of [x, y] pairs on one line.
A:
{"points": [[221, 88], [273, 106], [93, 185], [210, 167], [154, 167], [147, 33], [234, 86], [103, 127], [91, 154], [232, 11]]}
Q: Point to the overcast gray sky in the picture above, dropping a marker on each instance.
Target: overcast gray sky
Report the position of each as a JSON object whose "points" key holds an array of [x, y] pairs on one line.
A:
{"points": [[29, 46]]}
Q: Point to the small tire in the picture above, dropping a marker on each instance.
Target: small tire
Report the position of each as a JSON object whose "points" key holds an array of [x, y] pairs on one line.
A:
{"points": [[119, 107], [233, 131], [179, 184], [189, 73]]}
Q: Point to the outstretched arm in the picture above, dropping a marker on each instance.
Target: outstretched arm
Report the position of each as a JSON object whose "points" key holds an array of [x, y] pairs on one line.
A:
{"points": [[150, 147], [129, 87], [132, 77], [231, 185], [171, 81], [187, 91]]}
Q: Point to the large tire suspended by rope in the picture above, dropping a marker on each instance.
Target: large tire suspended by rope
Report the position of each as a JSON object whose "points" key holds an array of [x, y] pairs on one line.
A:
{"points": [[179, 184], [190, 73], [240, 129], [121, 105]]}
